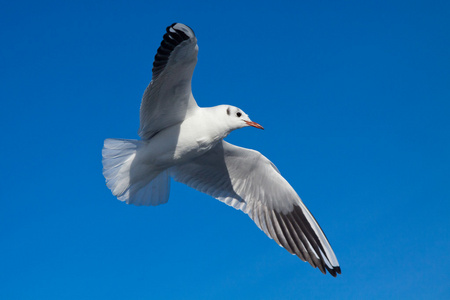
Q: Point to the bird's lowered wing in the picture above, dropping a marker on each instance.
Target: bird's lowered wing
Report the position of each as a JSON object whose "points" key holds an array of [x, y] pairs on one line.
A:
{"points": [[168, 98], [248, 181]]}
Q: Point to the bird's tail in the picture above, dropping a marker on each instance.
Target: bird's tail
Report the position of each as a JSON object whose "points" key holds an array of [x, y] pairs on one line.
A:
{"points": [[129, 180]]}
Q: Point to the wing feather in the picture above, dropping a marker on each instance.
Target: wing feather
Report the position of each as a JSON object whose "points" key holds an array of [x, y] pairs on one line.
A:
{"points": [[246, 180], [168, 98]]}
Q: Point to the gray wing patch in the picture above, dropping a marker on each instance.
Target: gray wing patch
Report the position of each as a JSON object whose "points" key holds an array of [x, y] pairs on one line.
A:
{"points": [[175, 35]]}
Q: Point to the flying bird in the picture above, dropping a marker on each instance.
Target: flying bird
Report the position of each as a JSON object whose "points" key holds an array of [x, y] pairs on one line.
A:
{"points": [[183, 141]]}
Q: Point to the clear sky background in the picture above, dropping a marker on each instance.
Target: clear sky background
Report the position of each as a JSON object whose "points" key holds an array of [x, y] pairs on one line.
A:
{"points": [[355, 100]]}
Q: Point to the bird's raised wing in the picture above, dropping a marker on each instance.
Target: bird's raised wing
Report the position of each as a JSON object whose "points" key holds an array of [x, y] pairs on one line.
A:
{"points": [[246, 180], [168, 98]]}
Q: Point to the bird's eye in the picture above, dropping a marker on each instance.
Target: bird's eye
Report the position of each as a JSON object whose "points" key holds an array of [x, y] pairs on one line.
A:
{"points": [[238, 114]]}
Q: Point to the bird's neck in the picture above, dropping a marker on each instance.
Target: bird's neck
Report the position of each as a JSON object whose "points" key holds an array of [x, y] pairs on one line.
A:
{"points": [[216, 122]]}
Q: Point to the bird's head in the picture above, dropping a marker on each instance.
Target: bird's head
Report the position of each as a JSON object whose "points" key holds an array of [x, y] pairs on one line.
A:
{"points": [[237, 118]]}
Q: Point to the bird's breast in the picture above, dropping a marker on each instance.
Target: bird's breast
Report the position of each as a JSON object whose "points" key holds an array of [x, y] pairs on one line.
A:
{"points": [[181, 143]]}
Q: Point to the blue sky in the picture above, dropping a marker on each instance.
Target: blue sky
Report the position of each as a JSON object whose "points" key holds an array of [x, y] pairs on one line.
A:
{"points": [[354, 97]]}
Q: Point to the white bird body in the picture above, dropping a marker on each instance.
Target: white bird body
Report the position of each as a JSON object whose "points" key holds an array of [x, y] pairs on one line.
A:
{"points": [[183, 141]]}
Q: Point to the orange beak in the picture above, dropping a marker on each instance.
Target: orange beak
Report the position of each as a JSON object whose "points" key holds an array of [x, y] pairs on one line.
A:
{"points": [[254, 124]]}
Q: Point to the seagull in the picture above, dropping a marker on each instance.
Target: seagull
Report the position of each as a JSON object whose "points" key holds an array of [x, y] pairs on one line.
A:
{"points": [[183, 141]]}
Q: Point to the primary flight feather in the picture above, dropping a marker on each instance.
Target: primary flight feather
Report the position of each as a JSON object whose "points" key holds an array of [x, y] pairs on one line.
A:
{"points": [[181, 140]]}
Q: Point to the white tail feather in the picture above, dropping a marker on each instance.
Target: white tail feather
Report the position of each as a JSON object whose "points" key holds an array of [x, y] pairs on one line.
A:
{"points": [[128, 181]]}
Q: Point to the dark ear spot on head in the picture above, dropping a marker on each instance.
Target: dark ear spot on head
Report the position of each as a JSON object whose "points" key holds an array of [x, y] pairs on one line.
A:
{"points": [[228, 111]]}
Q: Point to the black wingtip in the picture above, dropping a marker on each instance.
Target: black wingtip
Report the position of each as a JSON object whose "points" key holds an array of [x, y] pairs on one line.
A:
{"points": [[333, 272], [182, 27], [175, 35]]}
